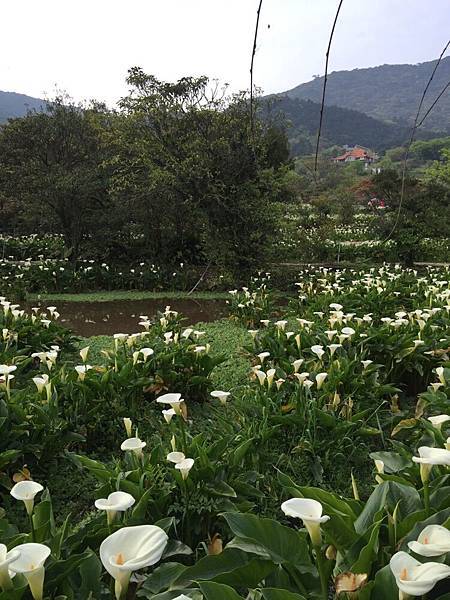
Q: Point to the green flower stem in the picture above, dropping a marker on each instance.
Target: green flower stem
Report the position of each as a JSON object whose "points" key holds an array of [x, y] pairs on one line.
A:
{"points": [[32, 532], [321, 567], [426, 497], [183, 434]]}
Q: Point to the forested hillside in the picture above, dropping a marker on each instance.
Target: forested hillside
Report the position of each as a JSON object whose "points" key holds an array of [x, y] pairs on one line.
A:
{"points": [[388, 92]]}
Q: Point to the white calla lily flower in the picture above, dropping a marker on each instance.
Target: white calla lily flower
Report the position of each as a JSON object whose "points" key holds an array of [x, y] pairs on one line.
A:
{"points": [[6, 558], [114, 503], [30, 563], [310, 512], [175, 401], [428, 457], [320, 378], [221, 396], [433, 540], [26, 491], [175, 457], [185, 466], [133, 444], [82, 370], [130, 549], [415, 578], [439, 420]]}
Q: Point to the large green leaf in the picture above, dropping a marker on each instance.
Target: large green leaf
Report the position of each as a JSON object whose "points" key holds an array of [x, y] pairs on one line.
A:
{"points": [[385, 587], [163, 577], [280, 543], [388, 495], [232, 566], [218, 591], [274, 594]]}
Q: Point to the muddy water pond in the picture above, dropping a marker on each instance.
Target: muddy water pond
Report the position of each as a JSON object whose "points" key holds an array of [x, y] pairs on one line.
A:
{"points": [[122, 316]]}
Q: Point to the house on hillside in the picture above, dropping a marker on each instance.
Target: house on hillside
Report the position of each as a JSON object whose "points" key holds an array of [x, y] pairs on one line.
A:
{"points": [[357, 153]]}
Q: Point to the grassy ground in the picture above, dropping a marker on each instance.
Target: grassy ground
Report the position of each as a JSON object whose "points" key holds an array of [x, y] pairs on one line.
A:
{"points": [[128, 295], [225, 338]]}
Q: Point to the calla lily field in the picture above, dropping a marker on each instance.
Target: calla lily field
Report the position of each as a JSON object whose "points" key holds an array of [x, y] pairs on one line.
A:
{"points": [[297, 449]]}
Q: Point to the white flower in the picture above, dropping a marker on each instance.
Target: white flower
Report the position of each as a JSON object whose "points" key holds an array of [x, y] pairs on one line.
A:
{"points": [[318, 350], [333, 348], [7, 369], [434, 540], [310, 512], [263, 355], [146, 352], [84, 353], [270, 375], [40, 382], [440, 374], [261, 377], [221, 396], [348, 331], [429, 457], [281, 325], [366, 363], [82, 370], [297, 364], [130, 549], [415, 578], [174, 400], [30, 563], [6, 558], [320, 378], [133, 444], [168, 414], [26, 491], [175, 457], [439, 420], [115, 502], [185, 466]]}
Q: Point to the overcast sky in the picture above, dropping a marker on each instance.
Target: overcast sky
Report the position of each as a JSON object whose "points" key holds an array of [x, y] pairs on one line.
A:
{"points": [[86, 46]]}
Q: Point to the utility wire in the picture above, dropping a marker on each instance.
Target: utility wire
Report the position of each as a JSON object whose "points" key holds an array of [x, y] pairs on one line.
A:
{"points": [[325, 84], [438, 97], [411, 139], [252, 113]]}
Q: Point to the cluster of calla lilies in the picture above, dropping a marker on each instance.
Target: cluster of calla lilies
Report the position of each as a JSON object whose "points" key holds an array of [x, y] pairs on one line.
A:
{"points": [[412, 577]]}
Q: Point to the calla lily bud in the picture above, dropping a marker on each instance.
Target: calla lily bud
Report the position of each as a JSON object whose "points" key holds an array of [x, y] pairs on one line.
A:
{"points": [[128, 423], [84, 353]]}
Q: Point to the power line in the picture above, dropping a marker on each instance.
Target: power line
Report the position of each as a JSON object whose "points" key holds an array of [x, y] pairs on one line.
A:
{"points": [[411, 139], [325, 84]]}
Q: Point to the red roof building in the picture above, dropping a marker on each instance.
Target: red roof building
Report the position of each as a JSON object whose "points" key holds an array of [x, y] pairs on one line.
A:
{"points": [[356, 153]]}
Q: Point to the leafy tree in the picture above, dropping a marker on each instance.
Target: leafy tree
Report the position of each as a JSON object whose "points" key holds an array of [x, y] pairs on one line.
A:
{"points": [[201, 185], [50, 162]]}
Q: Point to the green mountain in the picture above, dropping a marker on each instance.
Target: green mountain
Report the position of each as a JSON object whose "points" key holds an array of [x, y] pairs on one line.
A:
{"points": [[389, 92], [340, 126], [17, 105]]}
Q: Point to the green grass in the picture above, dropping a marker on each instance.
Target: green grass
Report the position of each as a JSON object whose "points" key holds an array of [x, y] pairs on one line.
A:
{"points": [[225, 337], [128, 295]]}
